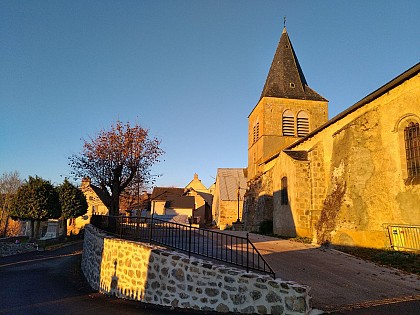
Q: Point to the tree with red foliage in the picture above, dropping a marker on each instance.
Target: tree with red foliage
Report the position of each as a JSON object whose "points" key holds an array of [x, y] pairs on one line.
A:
{"points": [[115, 160]]}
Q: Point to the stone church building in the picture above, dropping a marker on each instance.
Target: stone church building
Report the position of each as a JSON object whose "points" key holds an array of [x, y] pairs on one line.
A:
{"points": [[338, 180]]}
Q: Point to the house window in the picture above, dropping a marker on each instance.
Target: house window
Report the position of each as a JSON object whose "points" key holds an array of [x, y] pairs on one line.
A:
{"points": [[288, 124], [412, 149], [284, 196], [302, 124], [256, 132]]}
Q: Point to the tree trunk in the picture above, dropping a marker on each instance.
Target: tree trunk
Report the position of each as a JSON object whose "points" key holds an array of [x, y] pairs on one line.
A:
{"points": [[4, 217], [37, 226], [114, 208], [64, 227], [6, 225], [32, 230], [2, 226]]}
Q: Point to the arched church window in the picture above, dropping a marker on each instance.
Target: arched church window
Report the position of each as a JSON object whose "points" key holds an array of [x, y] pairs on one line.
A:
{"points": [[256, 131], [412, 149], [302, 124], [288, 123], [283, 193]]}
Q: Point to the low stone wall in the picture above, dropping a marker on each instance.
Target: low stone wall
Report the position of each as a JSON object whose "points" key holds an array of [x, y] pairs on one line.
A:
{"points": [[9, 249], [140, 272]]}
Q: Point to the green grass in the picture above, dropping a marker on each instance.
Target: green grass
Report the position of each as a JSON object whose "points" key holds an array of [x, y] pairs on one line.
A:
{"points": [[405, 261], [299, 239]]}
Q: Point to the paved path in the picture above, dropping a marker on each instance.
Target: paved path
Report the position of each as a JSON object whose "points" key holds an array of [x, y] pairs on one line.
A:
{"points": [[339, 281]]}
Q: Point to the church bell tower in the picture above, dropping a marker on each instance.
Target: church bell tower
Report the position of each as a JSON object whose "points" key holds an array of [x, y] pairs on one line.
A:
{"points": [[288, 109]]}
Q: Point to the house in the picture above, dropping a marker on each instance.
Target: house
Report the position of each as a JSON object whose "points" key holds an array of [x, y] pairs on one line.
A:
{"points": [[338, 180], [169, 203], [203, 200], [228, 197], [202, 210], [95, 206], [135, 203], [197, 185], [192, 202]]}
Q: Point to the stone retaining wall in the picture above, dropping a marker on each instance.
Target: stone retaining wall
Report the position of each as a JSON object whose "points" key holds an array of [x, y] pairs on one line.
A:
{"points": [[9, 249], [150, 274]]}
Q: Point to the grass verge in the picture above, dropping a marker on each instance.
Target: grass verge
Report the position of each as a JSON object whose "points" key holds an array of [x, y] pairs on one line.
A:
{"points": [[406, 261]]}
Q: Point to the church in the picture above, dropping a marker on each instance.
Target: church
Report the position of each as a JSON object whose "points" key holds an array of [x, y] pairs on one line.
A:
{"points": [[339, 181]]}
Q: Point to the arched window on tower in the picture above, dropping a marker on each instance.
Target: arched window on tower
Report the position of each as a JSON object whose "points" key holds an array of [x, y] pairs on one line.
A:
{"points": [[284, 196], [302, 124], [288, 124], [412, 149]]}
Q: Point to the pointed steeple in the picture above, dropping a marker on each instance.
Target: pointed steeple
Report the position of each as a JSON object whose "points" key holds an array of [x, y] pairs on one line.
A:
{"points": [[285, 78]]}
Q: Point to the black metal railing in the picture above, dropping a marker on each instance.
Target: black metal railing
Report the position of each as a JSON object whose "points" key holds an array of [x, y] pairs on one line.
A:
{"points": [[232, 249]]}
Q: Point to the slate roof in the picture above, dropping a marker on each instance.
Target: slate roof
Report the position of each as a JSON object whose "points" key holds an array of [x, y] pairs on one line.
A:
{"points": [[285, 78], [297, 155], [184, 202], [162, 193], [229, 178], [174, 197], [208, 198]]}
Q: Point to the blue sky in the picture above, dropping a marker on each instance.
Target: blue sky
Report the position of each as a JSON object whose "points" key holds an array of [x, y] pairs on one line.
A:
{"points": [[190, 71]]}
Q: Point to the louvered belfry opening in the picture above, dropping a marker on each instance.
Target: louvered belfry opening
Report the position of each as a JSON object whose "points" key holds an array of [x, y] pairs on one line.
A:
{"points": [[412, 149], [288, 125], [256, 131], [302, 124]]}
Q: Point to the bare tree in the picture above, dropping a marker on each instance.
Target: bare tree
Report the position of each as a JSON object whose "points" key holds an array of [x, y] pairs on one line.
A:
{"points": [[9, 184], [115, 160]]}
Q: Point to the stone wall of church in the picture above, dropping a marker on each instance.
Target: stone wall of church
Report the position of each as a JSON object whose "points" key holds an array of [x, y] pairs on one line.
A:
{"points": [[318, 185], [358, 173], [292, 217], [258, 204], [268, 114], [135, 271]]}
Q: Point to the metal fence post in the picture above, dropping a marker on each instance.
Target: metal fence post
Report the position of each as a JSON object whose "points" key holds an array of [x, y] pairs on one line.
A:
{"points": [[247, 252], [189, 241], [150, 230]]}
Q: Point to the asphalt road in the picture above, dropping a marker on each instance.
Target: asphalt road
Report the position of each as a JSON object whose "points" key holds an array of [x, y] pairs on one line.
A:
{"points": [[51, 282]]}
